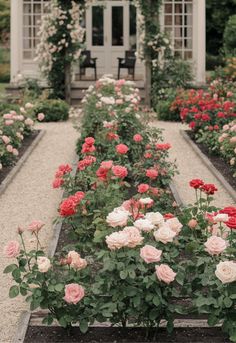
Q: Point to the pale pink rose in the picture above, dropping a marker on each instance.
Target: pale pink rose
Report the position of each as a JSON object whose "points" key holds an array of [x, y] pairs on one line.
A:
{"points": [[117, 240], [155, 218], [135, 237], [9, 122], [233, 140], [77, 262], [8, 116], [29, 122], [192, 223], [6, 139], [73, 293], [12, 249], [225, 127], [174, 224], [229, 94], [28, 105], [20, 117], [165, 273], [117, 218], [164, 234], [150, 254], [215, 245], [226, 271], [43, 263], [119, 101], [35, 226], [146, 201], [221, 218], [40, 116], [22, 110], [15, 152], [9, 148], [144, 225]]}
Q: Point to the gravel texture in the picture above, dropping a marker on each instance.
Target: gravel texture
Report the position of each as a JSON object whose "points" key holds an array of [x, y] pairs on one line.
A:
{"points": [[30, 196], [189, 165]]}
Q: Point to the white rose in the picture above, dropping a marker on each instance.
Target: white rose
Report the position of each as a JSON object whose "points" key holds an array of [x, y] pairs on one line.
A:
{"points": [[117, 218], [164, 234], [221, 217], [155, 218], [146, 201], [43, 264], [174, 224], [226, 271], [144, 225]]}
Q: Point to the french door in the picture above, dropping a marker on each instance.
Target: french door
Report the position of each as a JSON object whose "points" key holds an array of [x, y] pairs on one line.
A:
{"points": [[108, 33]]}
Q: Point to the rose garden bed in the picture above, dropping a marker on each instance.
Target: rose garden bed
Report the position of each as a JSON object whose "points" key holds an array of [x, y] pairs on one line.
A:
{"points": [[143, 256]]}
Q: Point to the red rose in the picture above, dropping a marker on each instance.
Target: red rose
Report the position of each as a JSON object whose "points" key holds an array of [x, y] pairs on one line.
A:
{"points": [[196, 183], [143, 188], [102, 173], [119, 171], [209, 189], [230, 210], [148, 155], [192, 125], [122, 149], [163, 146], [206, 117], [152, 173], [89, 141], [67, 207], [137, 138], [168, 216], [87, 148], [231, 223]]}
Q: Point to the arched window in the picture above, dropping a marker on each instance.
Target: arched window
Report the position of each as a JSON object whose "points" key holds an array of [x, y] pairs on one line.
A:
{"points": [[178, 24]]}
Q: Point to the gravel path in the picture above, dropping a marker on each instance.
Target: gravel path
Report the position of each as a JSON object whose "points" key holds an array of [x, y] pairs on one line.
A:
{"points": [[189, 165], [30, 196]]}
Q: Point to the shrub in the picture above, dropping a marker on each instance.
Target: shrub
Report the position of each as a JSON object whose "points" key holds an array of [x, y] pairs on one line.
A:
{"points": [[5, 72], [213, 61], [230, 36], [6, 107], [163, 108], [54, 110]]}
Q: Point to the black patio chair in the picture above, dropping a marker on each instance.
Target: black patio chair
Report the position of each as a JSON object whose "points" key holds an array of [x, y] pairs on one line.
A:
{"points": [[127, 63], [87, 62]]}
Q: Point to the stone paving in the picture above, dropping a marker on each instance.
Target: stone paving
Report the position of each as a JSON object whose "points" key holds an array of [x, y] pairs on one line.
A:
{"points": [[30, 196]]}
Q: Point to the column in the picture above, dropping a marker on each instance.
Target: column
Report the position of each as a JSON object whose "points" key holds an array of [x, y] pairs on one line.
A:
{"points": [[16, 38]]}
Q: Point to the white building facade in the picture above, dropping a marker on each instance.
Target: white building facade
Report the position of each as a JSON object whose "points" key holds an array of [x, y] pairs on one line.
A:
{"points": [[111, 29]]}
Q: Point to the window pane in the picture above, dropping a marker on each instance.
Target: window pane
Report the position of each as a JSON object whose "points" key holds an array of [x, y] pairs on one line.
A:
{"points": [[168, 8], [132, 28], [97, 26], [168, 20], [117, 25]]}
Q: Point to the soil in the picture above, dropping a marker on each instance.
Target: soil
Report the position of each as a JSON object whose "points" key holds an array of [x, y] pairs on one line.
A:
{"points": [[42, 334], [218, 162], [28, 140]]}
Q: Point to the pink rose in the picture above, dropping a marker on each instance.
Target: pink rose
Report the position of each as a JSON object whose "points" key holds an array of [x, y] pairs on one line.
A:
{"points": [[150, 254], [215, 245], [174, 224], [6, 139], [137, 138], [40, 116], [29, 122], [76, 261], [73, 293], [192, 223], [106, 164], [15, 152], [226, 271], [119, 171], [9, 148], [12, 249], [152, 173], [89, 141], [143, 188], [122, 149], [117, 240], [9, 122], [135, 237], [164, 234], [35, 226], [165, 273]]}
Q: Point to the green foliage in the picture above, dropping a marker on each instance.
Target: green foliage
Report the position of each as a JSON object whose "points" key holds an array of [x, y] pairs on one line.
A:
{"points": [[213, 61], [163, 108], [6, 107], [217, 13], [4, 18], [230, 36], [54, 110]]}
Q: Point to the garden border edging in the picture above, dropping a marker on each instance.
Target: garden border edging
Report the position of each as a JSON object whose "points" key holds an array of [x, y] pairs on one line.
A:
{"points": [[209, 165], [21, 162]]}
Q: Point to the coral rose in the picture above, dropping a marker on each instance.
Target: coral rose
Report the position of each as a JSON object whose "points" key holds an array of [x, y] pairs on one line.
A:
{"points": [[67, 207], [119, 171], [150, 254], [122, 149], [215, 245], [57, 183], [226, 271], [73, 293], [43, 263], [137, 138], [152, 173], [165, 273], [143, 188], [12, 249], [89, 141]]}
